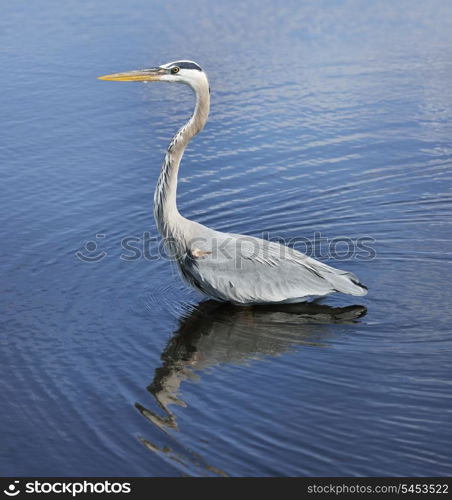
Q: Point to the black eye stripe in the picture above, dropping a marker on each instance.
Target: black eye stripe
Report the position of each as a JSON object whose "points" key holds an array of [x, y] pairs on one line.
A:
{"points": [[187, 65]]}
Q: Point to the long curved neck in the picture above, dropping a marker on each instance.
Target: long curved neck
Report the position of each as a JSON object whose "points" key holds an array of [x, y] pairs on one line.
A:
{"points": [[166, 214]]}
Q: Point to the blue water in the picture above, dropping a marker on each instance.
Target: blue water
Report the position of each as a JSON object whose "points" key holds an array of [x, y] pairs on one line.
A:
{"points": [[327, 117]]}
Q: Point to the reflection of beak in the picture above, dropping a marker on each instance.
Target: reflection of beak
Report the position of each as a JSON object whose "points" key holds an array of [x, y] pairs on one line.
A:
{"points": [[141, 75]]}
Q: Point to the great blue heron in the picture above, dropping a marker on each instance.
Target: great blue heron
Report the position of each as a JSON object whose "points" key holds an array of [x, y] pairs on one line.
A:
{"points": [[224, 266]]}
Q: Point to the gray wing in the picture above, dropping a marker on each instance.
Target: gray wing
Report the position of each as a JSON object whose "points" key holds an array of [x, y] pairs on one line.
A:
{"points": [[245, 270]]}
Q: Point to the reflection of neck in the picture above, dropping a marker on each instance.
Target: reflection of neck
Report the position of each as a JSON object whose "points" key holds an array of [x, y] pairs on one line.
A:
{"points": [[166, 214]]}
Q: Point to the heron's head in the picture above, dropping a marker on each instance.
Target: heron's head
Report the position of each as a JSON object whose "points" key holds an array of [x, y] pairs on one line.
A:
{"points": [[187, 72]]}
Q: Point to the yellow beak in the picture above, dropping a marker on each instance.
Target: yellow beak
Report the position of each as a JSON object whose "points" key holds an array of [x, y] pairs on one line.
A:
{"points": [[141, 75]]}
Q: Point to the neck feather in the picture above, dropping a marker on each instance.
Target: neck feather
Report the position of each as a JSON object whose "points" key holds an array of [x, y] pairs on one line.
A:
{"points": [[166, 213]]}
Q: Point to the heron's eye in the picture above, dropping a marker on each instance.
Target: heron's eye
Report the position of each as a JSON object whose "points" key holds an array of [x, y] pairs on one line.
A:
{"points": [[175, 70]]}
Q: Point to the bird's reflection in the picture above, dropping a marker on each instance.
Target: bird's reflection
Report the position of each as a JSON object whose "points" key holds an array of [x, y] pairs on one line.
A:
{"points": [[215, 333]]}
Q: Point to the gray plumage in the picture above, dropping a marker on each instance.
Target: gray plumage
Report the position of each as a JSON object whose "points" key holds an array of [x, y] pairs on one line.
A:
{"points": [[224, 266]]}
